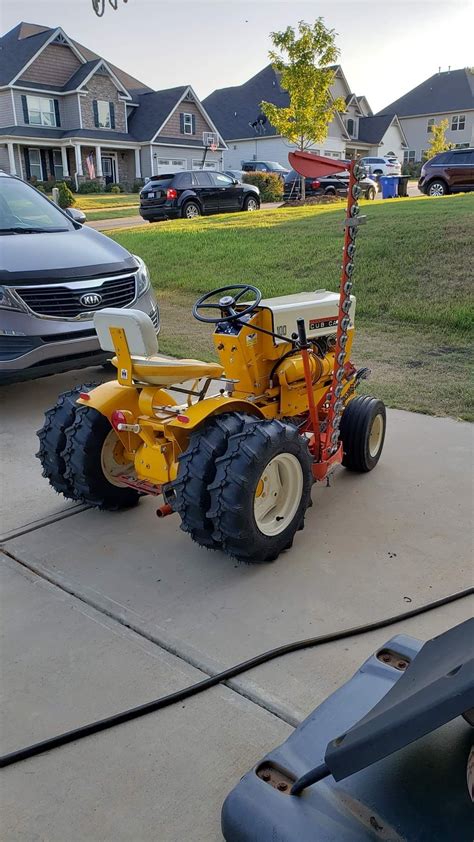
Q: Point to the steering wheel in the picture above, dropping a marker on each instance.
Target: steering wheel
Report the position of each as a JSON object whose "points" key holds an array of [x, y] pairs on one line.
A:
{"points": [[226, 304]]}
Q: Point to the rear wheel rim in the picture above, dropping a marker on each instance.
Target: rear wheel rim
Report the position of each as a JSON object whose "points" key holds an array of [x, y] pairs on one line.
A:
{"points": [[112, 461], [278, 494], [192, 211], [376, 435]]}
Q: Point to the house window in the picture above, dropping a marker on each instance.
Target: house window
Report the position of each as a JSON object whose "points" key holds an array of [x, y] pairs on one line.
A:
{"points": [[41, 111], [430, 125], [36, 170], [351, 126], [58, 165], [103, 114], [187, 124], [409, 156], [458, 122], [208, 165]]}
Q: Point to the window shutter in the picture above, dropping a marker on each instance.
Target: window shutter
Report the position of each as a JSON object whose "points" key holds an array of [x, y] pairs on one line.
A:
{"points": [[96, 113], [56, 112], [51, 163], [112, 115], [43, 164], [181, 123], [194, 123], [27, 163], [24, 103]]}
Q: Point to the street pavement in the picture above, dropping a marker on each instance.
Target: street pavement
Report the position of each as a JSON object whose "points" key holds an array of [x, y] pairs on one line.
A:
{"points": [[103, 611]]}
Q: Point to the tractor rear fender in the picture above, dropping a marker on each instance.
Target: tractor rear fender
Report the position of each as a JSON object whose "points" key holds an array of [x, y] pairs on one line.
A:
{"points": [[110, 396], [201, 411]]}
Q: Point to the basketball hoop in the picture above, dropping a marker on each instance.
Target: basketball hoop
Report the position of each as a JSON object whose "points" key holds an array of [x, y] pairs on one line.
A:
{"points": [[99, 6]]}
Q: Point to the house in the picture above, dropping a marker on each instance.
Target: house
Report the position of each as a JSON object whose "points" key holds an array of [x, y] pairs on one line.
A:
{"points": [[66, 112], [250, 136], [444, 96]]}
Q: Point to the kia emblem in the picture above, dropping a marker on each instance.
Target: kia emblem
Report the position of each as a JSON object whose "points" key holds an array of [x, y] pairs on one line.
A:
{"points": [[91, 299]]}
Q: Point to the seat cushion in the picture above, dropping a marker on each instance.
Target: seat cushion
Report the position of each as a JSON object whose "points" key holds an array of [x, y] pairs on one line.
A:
{"points": [[138, 327], [163, 371]]}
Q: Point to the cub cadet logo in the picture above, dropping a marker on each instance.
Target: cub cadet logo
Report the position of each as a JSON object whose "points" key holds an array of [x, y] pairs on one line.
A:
{"points": [[316, 324], [91, 299]]}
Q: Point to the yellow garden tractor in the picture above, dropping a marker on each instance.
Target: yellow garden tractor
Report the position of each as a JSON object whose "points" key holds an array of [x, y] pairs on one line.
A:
{"points": [[232, 446]]}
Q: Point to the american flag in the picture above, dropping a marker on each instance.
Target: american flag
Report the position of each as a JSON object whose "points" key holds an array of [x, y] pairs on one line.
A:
{"points": [[90, 165]]}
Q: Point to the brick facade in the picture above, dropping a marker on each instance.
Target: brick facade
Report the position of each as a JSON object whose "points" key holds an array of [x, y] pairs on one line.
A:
{"points": [[101, 87]]}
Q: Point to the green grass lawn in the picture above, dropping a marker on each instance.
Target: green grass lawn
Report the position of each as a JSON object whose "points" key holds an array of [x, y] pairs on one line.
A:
{"points": [[118, 213], [98, 201], [412, 282]]}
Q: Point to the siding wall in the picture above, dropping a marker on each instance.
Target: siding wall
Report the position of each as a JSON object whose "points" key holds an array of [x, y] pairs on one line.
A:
{"points": [[418, 137], [69, 110], [173, 127], [55, 65], [100, 86], [273, 149], [4, 160], [6, 109], [391, 142]]}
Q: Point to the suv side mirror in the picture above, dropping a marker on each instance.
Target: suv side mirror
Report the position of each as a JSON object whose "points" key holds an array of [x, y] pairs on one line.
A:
{"points": [[235, 181], [76, 214]]}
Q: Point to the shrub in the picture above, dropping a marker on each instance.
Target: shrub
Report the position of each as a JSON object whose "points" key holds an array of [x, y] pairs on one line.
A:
{"points": [[269, 183], [65, 198], [114, 188], [39, 186], [412, 168], [137, 185], [90, 187]]}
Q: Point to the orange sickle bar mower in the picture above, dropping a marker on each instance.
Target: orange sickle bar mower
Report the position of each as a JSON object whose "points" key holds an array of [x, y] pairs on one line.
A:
{"points": [[325, 444]]}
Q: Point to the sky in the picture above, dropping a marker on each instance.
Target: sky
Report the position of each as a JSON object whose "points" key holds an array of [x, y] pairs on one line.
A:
{"points": [[386, 47]]}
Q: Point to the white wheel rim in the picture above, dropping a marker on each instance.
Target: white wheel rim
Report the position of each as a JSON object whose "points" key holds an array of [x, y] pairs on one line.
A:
{"points": [[110, 467], [192, 211], [251, 205], [278, 494], [376, 435]]}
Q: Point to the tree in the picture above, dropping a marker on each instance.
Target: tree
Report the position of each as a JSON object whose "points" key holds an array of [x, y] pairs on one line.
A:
{"points": [[302, 59], [65, 197], [438, 142]]}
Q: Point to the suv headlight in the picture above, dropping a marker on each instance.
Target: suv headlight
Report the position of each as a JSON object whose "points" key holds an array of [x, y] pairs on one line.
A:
{"points": [[143, 277], [9, 301]]}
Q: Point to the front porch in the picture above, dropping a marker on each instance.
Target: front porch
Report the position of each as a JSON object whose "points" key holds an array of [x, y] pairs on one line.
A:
{"points": [[47, 163]]}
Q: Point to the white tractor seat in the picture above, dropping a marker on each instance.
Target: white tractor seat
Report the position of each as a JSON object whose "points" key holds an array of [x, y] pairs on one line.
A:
{"points": [[148, 366]]}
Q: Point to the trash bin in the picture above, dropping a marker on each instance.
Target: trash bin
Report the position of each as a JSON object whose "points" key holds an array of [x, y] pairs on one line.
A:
{"points": [[403, 185], [389, 184]]}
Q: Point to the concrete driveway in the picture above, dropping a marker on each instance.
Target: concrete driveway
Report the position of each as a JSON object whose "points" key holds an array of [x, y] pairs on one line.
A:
{"points": [[103, 611]]}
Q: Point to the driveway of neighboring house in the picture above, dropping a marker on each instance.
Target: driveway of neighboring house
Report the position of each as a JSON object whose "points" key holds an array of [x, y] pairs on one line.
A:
{"points": [[106, 610]]}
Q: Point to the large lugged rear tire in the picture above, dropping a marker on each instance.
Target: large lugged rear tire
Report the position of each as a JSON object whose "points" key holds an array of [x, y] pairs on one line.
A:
{"points": [[363, 426], [89, 461], [197, 468], [261, 491], [52, 439]]}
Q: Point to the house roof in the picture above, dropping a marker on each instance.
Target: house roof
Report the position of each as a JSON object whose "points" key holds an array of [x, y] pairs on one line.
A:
{"points": [[56, 134], [444, 92], [372, 129], [154, 108], [234, 109]]}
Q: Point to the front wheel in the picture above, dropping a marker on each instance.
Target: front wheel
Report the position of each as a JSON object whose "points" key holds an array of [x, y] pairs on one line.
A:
{"points": [[251, 204], [370, 194], [363, 426], [437, 188], [191, 210], [261, 491], [94, 462]]}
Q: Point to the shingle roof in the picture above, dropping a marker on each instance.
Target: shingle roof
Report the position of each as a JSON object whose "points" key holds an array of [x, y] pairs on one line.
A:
{"points": [[448, 91], [16, 51], [233, 109], [56, 134], [372, 129], [153, 110]]}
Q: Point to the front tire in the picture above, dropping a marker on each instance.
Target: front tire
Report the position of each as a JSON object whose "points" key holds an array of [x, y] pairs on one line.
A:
{"points": [[52, 439], [437, 188], [261, 491], [190, 210], [370, 195], [189, 493], [93, 461], [363, 427], [251, 204]]}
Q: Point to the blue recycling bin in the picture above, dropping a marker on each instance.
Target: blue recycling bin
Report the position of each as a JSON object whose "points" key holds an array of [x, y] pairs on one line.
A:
{"points": [[389, 184]]}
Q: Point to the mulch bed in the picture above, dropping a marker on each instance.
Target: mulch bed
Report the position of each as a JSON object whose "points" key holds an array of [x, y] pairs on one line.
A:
{"points": [[314, 200]]}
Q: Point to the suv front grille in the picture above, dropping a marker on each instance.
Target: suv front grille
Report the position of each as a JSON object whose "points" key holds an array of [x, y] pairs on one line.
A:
{"points": [[65, 301]]}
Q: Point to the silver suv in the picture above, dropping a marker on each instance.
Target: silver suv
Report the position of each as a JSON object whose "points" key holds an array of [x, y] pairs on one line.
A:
{"points": [[54, 275]]}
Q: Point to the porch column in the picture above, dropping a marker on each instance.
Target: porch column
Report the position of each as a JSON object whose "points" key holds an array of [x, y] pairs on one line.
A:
{"points": [[98, 162], [77, 150], [64, 162], [138, 169], [11, 158]]}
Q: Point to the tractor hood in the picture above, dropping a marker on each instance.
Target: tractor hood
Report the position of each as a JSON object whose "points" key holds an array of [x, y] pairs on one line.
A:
{"points": [[75, 254]]}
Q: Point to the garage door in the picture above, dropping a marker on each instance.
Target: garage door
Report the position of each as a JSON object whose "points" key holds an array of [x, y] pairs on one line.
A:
{"points": [[164, 165], [208, 165]]}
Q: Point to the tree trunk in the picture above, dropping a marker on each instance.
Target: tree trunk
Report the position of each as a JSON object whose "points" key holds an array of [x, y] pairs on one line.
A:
{"points": [[302, 178]]}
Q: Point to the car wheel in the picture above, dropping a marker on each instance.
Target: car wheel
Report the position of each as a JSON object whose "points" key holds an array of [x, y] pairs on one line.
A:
{"points": [[437, 188], [370, 194], [251, 204], [191, 210], [330, 191], [378, 172]]}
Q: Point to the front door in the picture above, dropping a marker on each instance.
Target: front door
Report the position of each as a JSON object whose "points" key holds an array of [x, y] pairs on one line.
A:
{"points": [[108, 169], [230, 194], [206, 191]]}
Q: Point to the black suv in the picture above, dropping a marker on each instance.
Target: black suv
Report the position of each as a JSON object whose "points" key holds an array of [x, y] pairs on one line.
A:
{"points": [[190, 194], [265, 166], [448, 172], [328, 185]]}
